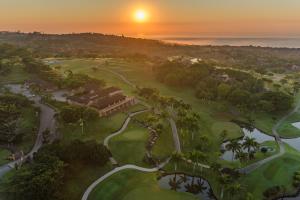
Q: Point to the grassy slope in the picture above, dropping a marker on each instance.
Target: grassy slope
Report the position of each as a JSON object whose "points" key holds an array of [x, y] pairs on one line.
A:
{"points": [[277, 172], [133, 185], [130, 146], [93, 130], [286, 129]]}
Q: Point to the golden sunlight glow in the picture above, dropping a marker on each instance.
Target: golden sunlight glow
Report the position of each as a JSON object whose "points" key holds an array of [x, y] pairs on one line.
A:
{"points": [[140, 15]]}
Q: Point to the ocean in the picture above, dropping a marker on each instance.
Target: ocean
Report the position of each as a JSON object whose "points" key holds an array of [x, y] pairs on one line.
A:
{"points": [[262, 42]]}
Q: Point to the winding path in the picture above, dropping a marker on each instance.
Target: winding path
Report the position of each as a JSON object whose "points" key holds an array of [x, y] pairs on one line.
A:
{"points": [[171, 121], [125, 124], [118, 169], [252, 167], [46, 122], [113, 161]]}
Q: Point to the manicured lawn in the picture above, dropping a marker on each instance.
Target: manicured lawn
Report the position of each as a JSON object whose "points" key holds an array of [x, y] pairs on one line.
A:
{"points": [[134, 185], [233, 130], [93, 130], [277, 172], [130, 146], [287, 129], [266, 122], [79, 177], [135, 108]]}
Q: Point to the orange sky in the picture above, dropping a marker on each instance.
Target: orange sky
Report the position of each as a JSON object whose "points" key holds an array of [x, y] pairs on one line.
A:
{"points": [[166, 17]]}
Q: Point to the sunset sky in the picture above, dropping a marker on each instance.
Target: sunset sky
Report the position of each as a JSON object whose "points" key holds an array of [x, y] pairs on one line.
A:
{"points": [[164, 17]]}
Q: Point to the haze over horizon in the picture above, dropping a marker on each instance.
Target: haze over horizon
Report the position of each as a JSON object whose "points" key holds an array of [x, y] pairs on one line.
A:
{"points": [[218, 18]]}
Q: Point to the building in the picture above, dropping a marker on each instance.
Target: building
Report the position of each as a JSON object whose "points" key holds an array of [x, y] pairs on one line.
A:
{"points": [[106, 100]]}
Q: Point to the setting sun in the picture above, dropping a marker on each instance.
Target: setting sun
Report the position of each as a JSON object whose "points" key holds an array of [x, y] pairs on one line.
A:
{"points": [[140, 15]]}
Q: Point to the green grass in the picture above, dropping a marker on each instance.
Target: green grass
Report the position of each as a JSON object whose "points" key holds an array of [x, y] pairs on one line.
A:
{"points": [[277, 172], [135, 108], [215, 117], [233, 130], [133, 185], [93, 130], [287, 129], [79, 177], [130, 146], [141, 74], [164, 146]]}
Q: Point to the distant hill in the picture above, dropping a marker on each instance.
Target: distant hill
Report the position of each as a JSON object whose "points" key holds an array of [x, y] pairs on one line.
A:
{"points": [[97, 45]]}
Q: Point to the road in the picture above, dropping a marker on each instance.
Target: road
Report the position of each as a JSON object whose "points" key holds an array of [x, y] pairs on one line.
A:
{"points": [[47, 121]]}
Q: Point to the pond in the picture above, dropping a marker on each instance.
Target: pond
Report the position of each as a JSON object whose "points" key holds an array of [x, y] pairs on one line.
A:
{"points": [[184, 182], [296, 124], [258, 135]]}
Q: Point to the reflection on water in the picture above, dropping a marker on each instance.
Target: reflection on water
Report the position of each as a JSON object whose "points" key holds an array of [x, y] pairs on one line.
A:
{"points": [[258, 135], [184, 183]]}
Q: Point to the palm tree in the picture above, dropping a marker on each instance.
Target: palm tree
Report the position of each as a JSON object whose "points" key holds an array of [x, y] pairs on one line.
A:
{"points": [[233, 146], [223, 179], [250, 143], [195, 156], [176, 157], [242, 156]]}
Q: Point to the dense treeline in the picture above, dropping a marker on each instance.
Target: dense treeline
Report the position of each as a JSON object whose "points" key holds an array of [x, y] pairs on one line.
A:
{"points": [[91, 45], [10, 57], [44, 177], [73, 114], [10, 114], [236, 87]]}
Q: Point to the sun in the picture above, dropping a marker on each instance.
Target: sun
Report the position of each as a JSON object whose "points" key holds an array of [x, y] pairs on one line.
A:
{"points": [[140, 16]]}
